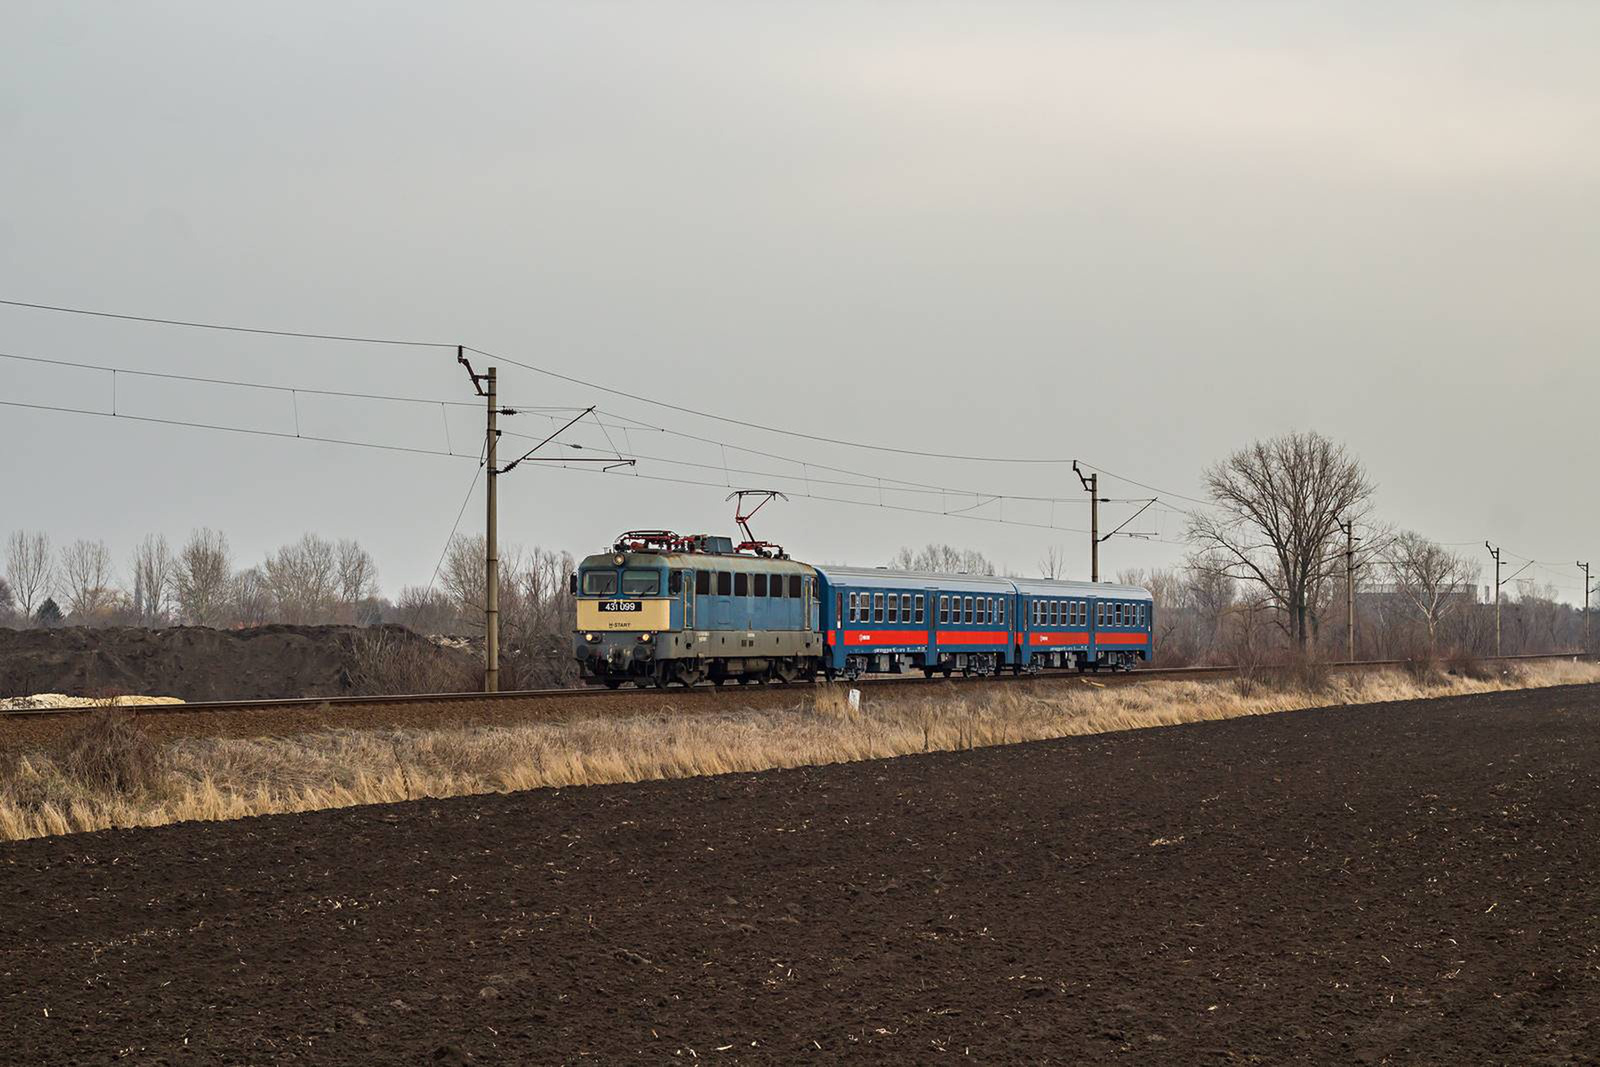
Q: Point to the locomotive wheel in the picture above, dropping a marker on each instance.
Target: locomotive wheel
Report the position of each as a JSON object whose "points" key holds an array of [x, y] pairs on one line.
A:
{"points": [[613, 683], [927, 672]]}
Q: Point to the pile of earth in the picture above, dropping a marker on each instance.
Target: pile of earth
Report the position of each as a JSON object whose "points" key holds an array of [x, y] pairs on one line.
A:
{"points": [[263, 662]]}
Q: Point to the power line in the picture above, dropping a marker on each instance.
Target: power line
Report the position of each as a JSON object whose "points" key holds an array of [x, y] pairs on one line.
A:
{"points": [[192, 324], [234, 429], [759, 426], [804, 477], [437, 567], [1153, 489], [458, 455], [230, 329], [107, 368]]}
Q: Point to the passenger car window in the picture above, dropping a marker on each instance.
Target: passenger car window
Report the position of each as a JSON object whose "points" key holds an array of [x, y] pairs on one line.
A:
{"points": [[599, 583], [724, 583], [877, 607], [702, 583], [944, 608], [921, 614], [852, 607], [641, 583], [1002, 617], [967, 610], [894, 608], [905, 607]]}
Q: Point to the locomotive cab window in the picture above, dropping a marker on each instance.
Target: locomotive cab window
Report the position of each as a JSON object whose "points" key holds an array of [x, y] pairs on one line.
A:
{"points": [[702, 583], [741, 584], [641, 583], [724, 583], [599, 583], [761, 585], [674, 582], [794, 585]]}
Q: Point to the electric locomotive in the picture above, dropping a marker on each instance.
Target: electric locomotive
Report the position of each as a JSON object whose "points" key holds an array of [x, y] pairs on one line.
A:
{"points": [[661, 608]]}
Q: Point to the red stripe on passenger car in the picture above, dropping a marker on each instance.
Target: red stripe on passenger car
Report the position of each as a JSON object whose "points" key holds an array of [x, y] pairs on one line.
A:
{"points": [[854, 638], [1055, 639], [1122, 639], [974, 637]]}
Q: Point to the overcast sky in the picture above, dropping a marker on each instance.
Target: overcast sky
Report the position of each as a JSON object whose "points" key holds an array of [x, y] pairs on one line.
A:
{"points": [[1139, 235]]}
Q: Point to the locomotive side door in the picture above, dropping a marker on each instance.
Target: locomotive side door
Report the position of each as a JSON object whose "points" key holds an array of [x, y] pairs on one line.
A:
{"points": [[688, 600]]}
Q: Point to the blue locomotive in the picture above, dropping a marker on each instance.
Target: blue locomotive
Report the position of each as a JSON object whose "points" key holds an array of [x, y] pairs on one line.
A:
{"points": [[662, 608]]}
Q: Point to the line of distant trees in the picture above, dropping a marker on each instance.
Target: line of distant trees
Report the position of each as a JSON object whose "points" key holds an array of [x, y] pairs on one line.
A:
{"points": [[1266, 573], [311, 581]]}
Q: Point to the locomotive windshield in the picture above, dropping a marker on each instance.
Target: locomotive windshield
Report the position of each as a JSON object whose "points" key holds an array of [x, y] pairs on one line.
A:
{"points": [[641, 583], [599, 583]]}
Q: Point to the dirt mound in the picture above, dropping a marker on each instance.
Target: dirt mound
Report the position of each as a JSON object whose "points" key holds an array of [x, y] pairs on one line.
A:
{"points": [[195, 663]]}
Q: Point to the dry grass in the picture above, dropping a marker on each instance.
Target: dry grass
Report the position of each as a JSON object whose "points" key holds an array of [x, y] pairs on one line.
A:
{"points": [[231, 778]]}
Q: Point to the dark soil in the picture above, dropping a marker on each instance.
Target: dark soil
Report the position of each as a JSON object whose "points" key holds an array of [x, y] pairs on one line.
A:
{"points": [[1412, 882], [197, 663]]}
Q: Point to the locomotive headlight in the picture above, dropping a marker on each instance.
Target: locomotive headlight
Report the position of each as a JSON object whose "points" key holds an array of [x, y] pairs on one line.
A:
{"points": [[619, 559], [591, 637], [644, 637]]}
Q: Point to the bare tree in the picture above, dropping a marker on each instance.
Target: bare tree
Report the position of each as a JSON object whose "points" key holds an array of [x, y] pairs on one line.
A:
{"points": [[303, 580], [942, 559], [357, 577], [28, 569], [200, 583], [1279, 504], [425, 611], [154, 568], [463, 577], [249, 601], [86, 575], [1053, 564], [8, 602], [1429, 579]]}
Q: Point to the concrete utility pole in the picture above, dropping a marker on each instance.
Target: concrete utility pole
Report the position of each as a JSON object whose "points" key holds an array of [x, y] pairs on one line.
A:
{"points": [[487, 387], [491, 538], [1495, 552], [1585, 567], [1349, 588], [1092, 484]]}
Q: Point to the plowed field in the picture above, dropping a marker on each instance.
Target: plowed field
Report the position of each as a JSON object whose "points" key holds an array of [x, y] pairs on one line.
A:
{"points": [[1409, 882]]}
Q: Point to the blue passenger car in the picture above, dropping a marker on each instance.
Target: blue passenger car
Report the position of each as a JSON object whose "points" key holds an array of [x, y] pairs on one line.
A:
{"points": [[889, 622]]}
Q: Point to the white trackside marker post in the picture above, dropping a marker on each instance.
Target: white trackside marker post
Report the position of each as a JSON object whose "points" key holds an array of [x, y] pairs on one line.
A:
{"points": [[854, 697]]}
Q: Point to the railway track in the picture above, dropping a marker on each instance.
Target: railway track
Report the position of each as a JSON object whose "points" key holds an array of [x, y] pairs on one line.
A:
{"points": [[33, 728]]}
